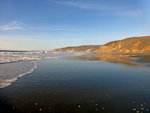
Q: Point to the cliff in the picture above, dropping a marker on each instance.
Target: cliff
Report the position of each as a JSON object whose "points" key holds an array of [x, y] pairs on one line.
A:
{"points": [[82, 49], [128, 45]]}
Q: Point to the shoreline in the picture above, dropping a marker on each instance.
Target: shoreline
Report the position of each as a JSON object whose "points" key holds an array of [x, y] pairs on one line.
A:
{"points": [[8, 82]]}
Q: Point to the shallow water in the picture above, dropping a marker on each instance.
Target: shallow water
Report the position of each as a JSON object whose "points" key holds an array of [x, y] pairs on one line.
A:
{"points": [[10, 72], [79, 86]]}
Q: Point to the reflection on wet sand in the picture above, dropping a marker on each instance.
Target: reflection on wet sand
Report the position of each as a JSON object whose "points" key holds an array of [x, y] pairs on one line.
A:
{"points": [[113, 58], [143, 58], [92, 86]]}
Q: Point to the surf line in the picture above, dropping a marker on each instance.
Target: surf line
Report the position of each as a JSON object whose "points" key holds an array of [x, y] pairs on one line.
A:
{"points": [[7, 82]]}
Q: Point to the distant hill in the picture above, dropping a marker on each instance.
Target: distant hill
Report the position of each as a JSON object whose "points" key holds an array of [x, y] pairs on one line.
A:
{"points": [[128, 45], [83, 49]]}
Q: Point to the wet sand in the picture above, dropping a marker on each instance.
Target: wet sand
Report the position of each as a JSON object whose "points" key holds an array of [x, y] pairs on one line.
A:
{"points": [[79, 86]]}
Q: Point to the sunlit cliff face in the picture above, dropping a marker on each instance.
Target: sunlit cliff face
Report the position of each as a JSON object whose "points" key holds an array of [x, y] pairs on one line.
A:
{"points": [[121, 47], [129, 45]]}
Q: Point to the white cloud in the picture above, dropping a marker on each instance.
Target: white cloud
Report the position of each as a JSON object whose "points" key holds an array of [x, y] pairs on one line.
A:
{"points": [[110, 10], [131, 13], [88, 5], [11, 26]]}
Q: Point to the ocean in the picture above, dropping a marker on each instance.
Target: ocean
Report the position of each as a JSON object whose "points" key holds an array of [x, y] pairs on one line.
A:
{"points": [[81, 84]]}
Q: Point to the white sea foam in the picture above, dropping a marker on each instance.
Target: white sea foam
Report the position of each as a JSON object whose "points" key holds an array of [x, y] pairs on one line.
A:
{"points": [[9, 74], [14, 65], [6, 57]]}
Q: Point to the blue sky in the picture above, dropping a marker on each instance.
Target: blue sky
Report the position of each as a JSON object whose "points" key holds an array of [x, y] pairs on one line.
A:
{"points": [[49, 24]]}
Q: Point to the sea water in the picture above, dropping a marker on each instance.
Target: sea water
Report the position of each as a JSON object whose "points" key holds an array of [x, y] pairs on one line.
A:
{"points": [[80, 86], [10, 72], [13, 66]]}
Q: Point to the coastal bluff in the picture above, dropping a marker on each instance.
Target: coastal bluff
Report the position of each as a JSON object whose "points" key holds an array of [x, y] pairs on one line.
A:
{"points": [[129, 45]]}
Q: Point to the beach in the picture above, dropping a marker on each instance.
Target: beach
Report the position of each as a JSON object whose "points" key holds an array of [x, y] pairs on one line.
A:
{"points": [[79, 86]]}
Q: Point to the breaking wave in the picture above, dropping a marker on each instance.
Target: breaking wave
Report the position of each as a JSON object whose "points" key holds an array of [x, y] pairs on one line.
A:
{"points": [[10, 72]]}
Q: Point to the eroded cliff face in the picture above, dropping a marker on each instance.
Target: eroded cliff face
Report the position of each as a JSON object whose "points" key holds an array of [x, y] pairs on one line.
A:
{"points": [[129, 45], [81, 49]]}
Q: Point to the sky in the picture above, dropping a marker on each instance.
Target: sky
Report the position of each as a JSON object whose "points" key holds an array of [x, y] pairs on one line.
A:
{"points": [[49, 24]]}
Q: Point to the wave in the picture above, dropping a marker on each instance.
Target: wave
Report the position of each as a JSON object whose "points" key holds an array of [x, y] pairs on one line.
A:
{"points": [[12, 67], [6, 82]]}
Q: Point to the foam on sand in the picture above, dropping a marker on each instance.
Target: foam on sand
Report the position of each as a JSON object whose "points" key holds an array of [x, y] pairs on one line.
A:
{"points": [[14, 65], [10, 72]]}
